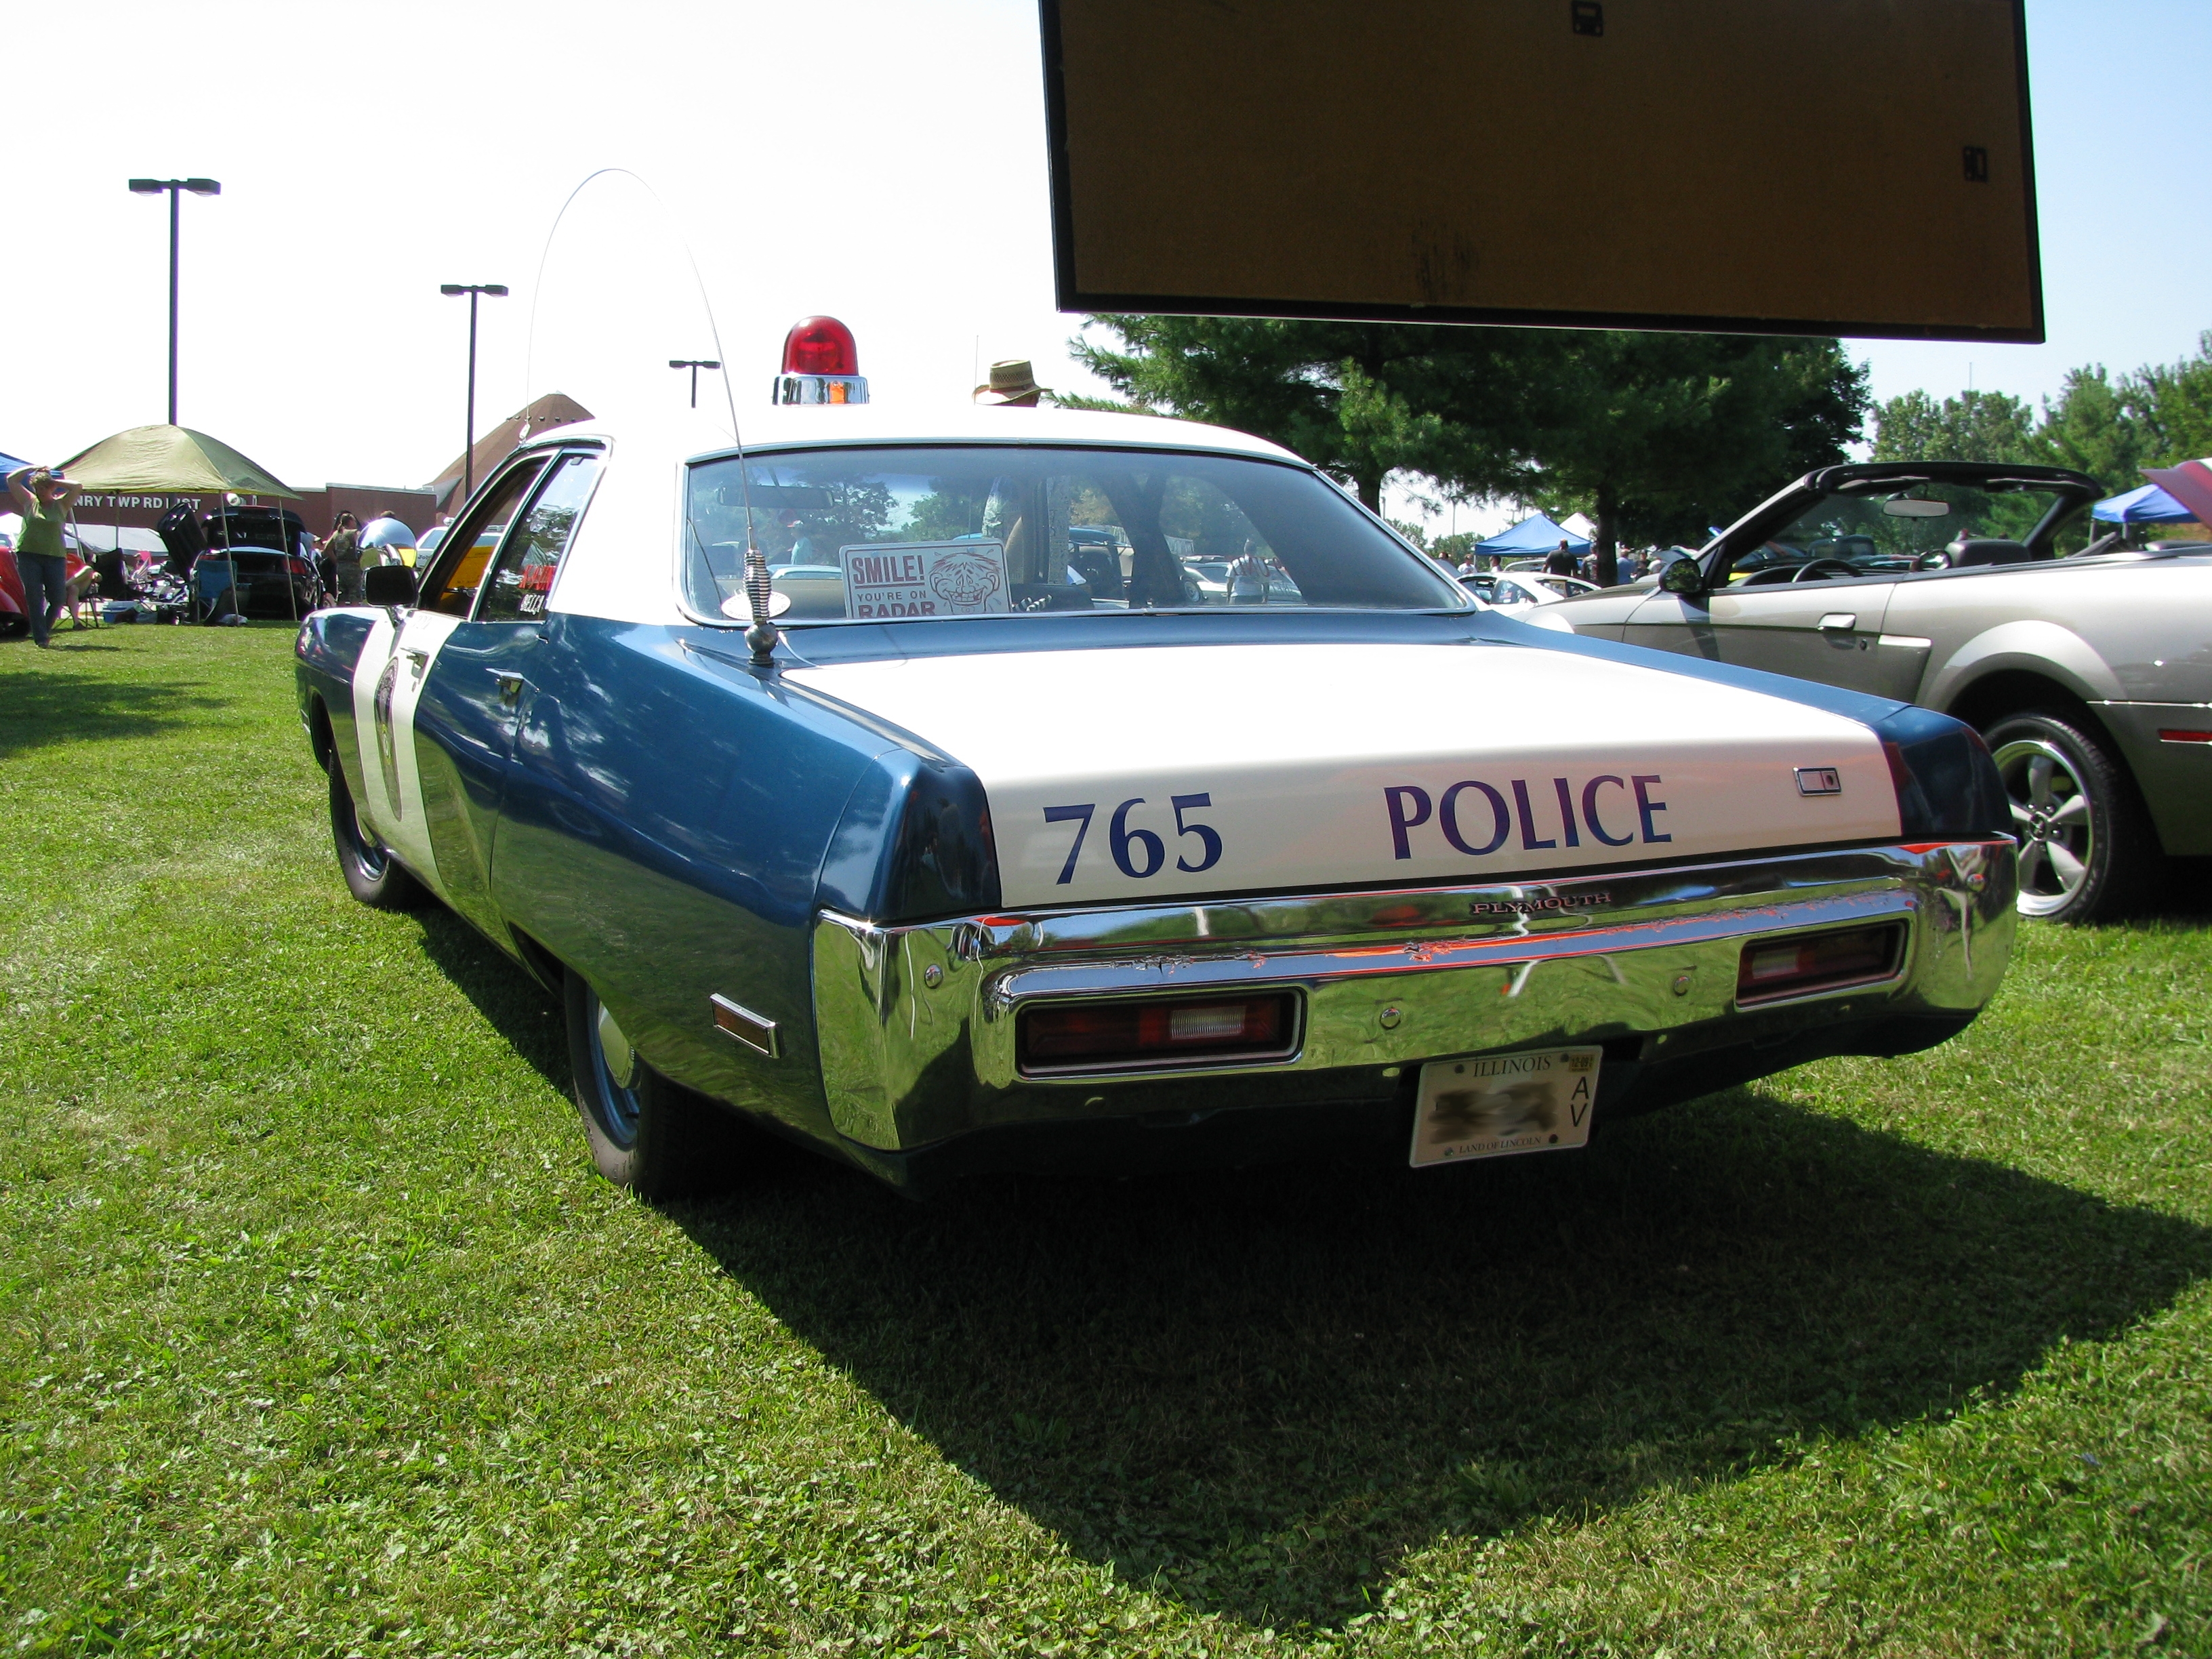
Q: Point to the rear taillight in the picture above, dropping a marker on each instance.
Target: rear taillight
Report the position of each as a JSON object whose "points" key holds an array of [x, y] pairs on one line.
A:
{"points": [[1772, 968], [1071, 1036]]}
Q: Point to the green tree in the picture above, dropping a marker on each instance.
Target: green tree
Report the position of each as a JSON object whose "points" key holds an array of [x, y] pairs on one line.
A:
{"points": [[1656, 435], [2091, 428], [2172, 404], [1650, 433], [1974, 425], [1360, 400]]}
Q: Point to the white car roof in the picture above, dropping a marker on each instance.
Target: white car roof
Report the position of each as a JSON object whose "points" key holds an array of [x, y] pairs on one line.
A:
{"points": [[623, 564]]}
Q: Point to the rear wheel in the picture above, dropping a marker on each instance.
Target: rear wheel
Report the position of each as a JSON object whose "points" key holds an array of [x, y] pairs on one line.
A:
{"points": [[651, 1135], [2086, 850], [372, 874]]}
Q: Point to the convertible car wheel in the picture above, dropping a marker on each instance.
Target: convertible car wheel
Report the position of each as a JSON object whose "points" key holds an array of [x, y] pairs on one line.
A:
{"points": [[653, 1136], [2085, 848], [372, 874]]}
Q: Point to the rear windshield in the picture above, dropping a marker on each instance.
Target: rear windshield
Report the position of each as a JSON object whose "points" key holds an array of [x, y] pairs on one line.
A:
{"points": [[870, 535]]}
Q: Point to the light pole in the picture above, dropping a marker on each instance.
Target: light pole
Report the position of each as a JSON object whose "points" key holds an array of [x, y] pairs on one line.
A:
{"points": [[174, 186], [695, 364], [498, 290]]}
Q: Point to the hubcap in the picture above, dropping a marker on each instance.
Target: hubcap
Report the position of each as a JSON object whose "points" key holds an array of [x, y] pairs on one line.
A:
{"points": [[2050, 812], [368, 849], [614, 1046], [617, 1066]]}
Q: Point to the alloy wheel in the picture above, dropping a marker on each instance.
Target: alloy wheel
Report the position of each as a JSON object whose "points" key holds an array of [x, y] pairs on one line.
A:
{"points": [[2052, 811]]}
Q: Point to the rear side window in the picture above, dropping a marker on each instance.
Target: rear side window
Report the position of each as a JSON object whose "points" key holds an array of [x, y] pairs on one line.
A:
{"points": [[451, 585], [523, 574]]}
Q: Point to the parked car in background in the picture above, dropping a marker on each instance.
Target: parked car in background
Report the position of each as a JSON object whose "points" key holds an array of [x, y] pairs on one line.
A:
{"points": [[945, 877], [1939, 583], [1506, 589], [258, 557], [14, 601]]}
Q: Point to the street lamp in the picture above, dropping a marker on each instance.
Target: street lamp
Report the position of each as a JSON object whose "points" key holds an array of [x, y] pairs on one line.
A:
{"points": [[498, 290], [695, 364], [174, 186]]}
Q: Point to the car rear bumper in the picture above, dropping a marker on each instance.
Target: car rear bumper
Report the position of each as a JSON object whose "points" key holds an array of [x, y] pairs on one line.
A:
{"points": [[917, 1025]]}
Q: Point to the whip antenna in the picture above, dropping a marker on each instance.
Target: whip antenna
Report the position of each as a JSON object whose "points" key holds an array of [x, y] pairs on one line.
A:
{"points": [[763, 635]]}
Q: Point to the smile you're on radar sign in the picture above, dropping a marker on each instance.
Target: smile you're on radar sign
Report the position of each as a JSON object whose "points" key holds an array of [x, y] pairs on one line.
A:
{"points": [[925, 579]]}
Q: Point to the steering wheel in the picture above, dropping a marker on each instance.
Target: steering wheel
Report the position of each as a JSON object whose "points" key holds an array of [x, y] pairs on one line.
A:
{"points": [[1819, 570]]}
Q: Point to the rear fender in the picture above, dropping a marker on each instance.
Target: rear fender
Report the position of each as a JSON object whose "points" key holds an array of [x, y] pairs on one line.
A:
{"points": [[327, 652], [2042, 648]]}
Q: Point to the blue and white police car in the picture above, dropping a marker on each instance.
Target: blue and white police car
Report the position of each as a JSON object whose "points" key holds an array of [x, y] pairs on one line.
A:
{"points": [[890, 783]]}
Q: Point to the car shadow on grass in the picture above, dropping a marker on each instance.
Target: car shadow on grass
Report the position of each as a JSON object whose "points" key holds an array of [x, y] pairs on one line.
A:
{"points": [[514, 1005], [38, 711], [1260, 1389]]}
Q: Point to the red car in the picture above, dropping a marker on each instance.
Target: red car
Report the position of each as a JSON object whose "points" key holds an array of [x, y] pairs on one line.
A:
{"points": [[14, 603]]}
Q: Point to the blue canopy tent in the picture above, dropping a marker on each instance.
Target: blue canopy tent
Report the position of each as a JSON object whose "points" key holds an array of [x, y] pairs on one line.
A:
{"points": [[2148, 505], [1532, 535]]}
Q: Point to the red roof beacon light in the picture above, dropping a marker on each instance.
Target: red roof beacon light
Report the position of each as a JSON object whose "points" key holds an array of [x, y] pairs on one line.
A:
{"points": [[821, 364]]}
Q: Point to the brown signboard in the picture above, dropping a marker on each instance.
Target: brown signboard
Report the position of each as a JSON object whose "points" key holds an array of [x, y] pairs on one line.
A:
{"points": [[1820, 167]]}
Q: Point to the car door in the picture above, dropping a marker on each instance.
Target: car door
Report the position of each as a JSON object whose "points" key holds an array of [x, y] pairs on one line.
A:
{"points": [[1827, 630], [480, 687], [395, 663]]}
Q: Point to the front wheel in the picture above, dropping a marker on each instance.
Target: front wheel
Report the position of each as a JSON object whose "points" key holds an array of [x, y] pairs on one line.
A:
{"points": [[651, 1135], [2086, 847], [372, 874]]}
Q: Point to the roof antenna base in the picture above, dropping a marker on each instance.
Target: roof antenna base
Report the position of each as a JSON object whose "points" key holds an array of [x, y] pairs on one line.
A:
{"points": [[763, 634]]}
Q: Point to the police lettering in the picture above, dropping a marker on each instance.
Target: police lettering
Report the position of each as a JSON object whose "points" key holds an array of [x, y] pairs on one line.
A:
{"points": [[1476, 818]]}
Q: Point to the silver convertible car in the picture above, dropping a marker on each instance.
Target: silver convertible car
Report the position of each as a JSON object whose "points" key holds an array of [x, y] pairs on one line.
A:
{"points": [[1937, 582], [830, 784]]}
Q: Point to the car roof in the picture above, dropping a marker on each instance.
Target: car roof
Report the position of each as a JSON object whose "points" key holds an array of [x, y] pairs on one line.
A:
{"points": [[815, 425]]}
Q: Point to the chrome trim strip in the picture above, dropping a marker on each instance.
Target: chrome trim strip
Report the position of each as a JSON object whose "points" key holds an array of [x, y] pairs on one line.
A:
{"points": [[917, 1034]]}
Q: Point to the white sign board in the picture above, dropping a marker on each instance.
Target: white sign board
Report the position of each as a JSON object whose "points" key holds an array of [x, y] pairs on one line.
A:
{"points": [[925, 579]]}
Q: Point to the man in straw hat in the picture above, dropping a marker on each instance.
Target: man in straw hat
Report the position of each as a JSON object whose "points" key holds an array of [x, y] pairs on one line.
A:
{"points": [[1013, 383]]}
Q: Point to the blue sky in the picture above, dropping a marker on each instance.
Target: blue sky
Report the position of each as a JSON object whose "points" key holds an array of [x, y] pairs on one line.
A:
{"points": [[875, 158], [2123, 147]]}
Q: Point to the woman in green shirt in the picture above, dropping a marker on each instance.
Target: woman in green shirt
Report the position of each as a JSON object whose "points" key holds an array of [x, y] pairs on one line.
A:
{"points": [[44, 497]]}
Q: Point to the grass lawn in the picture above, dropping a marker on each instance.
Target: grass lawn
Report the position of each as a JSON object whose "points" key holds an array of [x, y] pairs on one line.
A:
{"points": [[318, 1333]]}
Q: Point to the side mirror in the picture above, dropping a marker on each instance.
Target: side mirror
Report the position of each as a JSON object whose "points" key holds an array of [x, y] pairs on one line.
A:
{"points": [[1682, 576], [388, 585]]}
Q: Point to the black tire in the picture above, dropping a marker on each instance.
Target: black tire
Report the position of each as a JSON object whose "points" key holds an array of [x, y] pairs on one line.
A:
{"points": [[651, 1135], [2087, 853], [372, 874]]}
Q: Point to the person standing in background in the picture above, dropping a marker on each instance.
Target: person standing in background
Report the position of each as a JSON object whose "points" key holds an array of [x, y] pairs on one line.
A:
{"points": [[344, 551], [44, 497], [1562, 561]]}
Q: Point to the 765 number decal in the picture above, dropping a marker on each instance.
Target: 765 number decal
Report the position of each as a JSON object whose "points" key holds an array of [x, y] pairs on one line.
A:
{"points": [[1139, 853]]}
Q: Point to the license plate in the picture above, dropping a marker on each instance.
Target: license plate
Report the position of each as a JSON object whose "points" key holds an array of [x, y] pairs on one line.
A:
{"points": [[1499, 1104]]}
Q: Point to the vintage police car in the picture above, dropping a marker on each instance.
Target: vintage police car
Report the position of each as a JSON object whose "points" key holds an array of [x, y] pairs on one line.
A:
{"points": [[972, 855]]}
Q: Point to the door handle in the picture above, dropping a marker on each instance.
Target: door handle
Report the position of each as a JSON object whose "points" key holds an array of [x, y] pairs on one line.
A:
{"points": [[510, 688], [1839, 619]]}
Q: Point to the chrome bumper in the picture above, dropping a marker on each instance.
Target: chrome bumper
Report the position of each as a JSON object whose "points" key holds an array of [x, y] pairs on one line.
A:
{"points": [[916, 1023]]}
